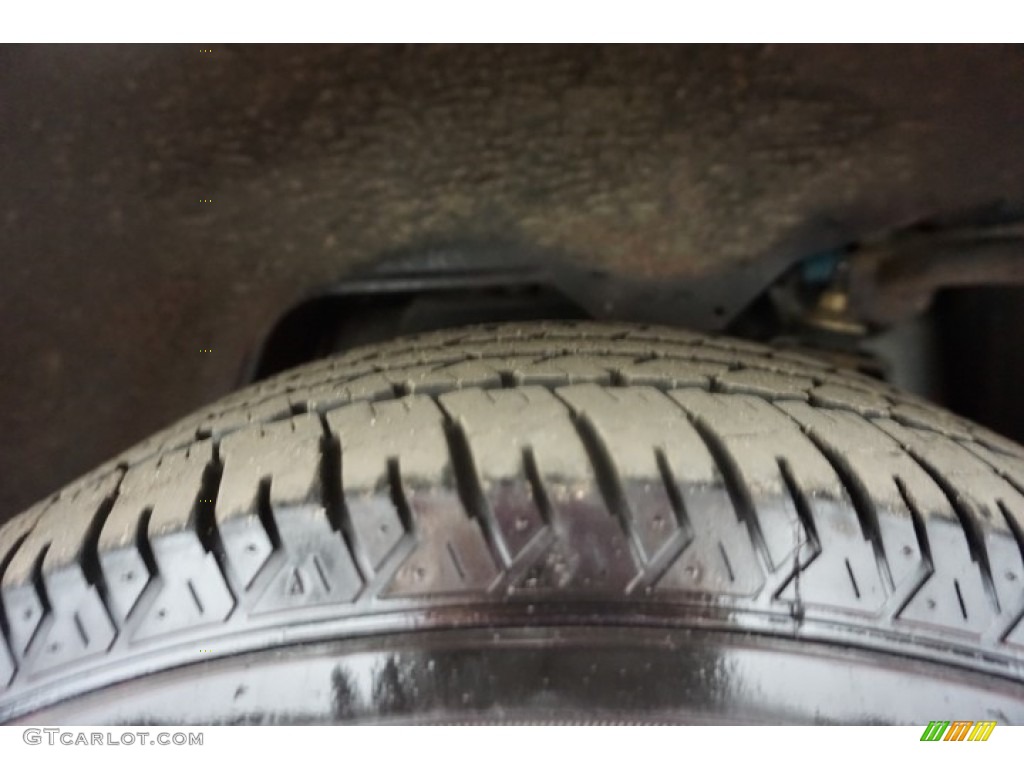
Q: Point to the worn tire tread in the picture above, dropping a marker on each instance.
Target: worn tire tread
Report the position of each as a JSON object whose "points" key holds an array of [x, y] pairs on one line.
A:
{"points": [[497, 464]]}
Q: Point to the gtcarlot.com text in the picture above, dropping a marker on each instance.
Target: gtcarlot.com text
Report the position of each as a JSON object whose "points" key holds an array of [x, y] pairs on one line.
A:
{"points": [[79, 738]]}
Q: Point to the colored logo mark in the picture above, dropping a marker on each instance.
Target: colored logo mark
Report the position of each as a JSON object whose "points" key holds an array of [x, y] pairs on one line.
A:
{"points": [[958, 730]]}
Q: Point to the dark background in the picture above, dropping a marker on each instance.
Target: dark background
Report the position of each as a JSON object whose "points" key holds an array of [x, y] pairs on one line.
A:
{"points": [[652, 161]]}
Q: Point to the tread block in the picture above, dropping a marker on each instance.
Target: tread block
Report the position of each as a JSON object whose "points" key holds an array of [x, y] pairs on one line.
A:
{"points": [[78, 626], [545, 331], [16, 529], [718, 552], [266, 469], [270, 409], [770, 384], [473, 373], [835, 396], [805, 361], [943, 561], [623, 421], [319, 569], [370, 387], [24, 618], [762, 481], [72, 621], [666, 334], [449, 556], [311, 581], [931, 418], [722, 556], [127, 576], [168, 486], [537, 348], [871, 462], [668, 373], [586, 547], [936, 582], [570, 370], [189, 588], [416, 357], [838, 567], [61, 529], [272, 515], [979, 493], [192, 591], [1011, 469], [954, 596], [25, 611], [986, 438], [599, 350], [395, 464], [322, 397], [735, 422]]}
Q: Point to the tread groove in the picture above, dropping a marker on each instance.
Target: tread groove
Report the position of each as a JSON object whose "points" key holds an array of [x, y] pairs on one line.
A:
{"points": [[919, 528], [608, 482], [806, 526], [923, 544], [333, 494], [668, 479], [853, 579], [89, 560], [867, 514], [968, 522], [455, 561], [1011, 481], [265, 513], [732, 478], [803, 508], [750, 361], [540, 493], [1018, 535], [728, 565], [398, 497], [330, 480], [728, 506], [195, 596], [5, 629], [469, 488], [39, 585], [960, 598], [1011, 523], [142, 543], [204, 519], [82, 634]]}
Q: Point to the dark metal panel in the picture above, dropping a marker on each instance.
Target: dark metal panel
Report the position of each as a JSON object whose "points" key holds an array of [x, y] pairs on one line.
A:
{"points": [[718, 163]]}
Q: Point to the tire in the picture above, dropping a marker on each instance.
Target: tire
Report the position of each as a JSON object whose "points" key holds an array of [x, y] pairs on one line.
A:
{"points": [[553, 521]]}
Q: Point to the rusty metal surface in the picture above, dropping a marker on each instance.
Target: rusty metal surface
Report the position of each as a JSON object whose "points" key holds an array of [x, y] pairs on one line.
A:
{"points": [[651, 161]]}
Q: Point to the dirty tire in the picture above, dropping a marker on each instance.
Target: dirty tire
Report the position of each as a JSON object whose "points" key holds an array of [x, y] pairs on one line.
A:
{"points": [[528, 477]]}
